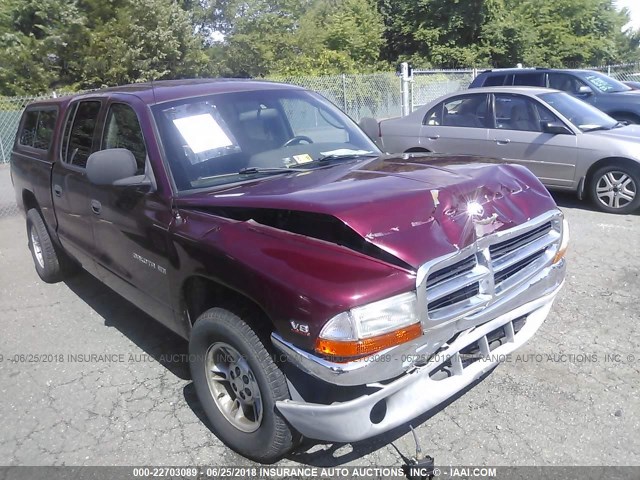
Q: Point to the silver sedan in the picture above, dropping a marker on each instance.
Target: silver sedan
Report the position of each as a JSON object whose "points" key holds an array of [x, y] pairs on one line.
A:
{"points": [[566, 143]]}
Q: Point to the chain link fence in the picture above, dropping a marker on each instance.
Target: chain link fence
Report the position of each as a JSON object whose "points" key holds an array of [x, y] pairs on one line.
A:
{"points": [[427, 85], [377, 95], [623, 73]]}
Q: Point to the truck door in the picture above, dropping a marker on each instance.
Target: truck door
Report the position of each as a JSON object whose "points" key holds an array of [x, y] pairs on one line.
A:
{"points": [[131, 222], [69, 183]]}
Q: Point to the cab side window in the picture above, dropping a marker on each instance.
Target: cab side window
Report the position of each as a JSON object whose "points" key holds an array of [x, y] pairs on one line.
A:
{"points": [[37, 128], [433, 116], [516, 112], [565, 82], [79, 133], [495, 80], [122, 130], [465, 111], [535, 79]]}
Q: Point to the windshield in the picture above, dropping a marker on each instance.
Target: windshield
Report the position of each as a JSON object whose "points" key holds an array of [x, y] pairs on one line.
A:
{"points": [[581, 114], [605, 84], [231, 137]]}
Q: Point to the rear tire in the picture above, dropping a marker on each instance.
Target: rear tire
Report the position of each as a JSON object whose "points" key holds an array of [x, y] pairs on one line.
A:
{"points": [[51, 265], [614, 188], [228, 359]]}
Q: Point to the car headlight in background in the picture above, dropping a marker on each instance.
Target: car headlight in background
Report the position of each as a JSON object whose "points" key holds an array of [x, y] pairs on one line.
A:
{"points": [[371, 328], [564, 243]]}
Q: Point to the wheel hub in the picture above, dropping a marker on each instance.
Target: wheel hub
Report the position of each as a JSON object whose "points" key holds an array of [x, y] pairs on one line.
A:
{"points": [[233, 387], [37, 248]]}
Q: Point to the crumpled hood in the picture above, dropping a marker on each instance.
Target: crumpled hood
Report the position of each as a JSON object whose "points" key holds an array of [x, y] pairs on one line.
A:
{"points": [[415, 207]]}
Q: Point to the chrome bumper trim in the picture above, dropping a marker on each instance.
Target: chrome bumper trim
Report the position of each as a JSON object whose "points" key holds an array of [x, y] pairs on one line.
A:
{"points": [[415, 392]]}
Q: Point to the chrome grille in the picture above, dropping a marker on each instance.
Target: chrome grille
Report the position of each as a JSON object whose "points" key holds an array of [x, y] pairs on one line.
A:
{"points": [[482, 273], [459, 295], [503, 248], [454, 270]]}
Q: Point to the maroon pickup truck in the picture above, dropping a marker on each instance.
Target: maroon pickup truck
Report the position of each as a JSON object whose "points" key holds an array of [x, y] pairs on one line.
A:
{"points": [[326, 290]]}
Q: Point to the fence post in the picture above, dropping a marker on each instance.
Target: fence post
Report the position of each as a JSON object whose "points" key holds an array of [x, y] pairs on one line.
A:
{"points": [[344, 93], [404, 82], [4, 160]]}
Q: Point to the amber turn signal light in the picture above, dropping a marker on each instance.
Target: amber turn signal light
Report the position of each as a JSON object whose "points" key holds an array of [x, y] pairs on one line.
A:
{"points": [[347, 350], [564, 244]]}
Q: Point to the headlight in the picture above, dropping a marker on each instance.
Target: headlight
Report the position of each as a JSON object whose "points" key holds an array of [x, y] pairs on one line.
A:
{"points": [[564, 243], [371, 328]]}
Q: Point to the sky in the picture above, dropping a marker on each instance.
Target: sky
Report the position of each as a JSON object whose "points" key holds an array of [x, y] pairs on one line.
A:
{"points": [[634, 9]]}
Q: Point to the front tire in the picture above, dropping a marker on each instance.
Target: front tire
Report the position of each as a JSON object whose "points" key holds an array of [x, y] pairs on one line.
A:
{"points": [[615, 187], [238, 384]]}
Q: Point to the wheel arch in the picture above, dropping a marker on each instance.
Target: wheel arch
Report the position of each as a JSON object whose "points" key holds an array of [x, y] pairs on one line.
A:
{"points": [[29, 201], [417, 150], [199, 293], [622, 161]]}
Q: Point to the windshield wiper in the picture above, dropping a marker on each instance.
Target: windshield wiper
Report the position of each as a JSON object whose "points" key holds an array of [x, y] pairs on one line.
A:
{"points": [[345, 156], [253, 170], [595, 129]]}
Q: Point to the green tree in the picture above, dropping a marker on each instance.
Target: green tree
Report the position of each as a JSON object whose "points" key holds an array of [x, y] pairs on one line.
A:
{"points": [[291, 37], [448, 33], [143, 40], [52, 44], [34, 36]]}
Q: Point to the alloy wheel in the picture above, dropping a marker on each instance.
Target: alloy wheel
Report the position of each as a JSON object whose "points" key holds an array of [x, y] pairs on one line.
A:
{"points": [[616, 189], [233, 387]]}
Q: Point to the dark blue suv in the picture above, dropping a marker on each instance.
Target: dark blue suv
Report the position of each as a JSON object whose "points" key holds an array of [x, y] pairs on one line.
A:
{"points": [[609, 95]]}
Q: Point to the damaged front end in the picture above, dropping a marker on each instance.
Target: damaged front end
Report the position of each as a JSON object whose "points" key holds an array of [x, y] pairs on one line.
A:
{"points": [[475, 307], [404, 280]]}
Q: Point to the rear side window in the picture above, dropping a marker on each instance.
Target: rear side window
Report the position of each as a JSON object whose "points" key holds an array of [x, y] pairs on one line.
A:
{"points": [[529, 79], [122, 130], [464, 111], [79, 133], [494, 80], [37, 128]]}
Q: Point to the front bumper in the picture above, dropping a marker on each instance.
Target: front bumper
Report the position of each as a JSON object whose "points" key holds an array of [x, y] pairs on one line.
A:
{"points": [[397, 360], [419, 390]]}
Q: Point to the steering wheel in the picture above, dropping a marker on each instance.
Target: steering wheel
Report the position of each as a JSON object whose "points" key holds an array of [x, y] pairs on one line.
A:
{"points": [[296, 140]]}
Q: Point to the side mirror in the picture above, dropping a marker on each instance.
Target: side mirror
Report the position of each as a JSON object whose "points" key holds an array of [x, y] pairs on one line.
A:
{"points": [[114, 166], [584, 90], [555, 128]]}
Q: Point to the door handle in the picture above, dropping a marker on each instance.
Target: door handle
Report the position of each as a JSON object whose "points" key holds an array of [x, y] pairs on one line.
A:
{"points": [[435, 137], [502, 142], [57, 189], [96, 207]]}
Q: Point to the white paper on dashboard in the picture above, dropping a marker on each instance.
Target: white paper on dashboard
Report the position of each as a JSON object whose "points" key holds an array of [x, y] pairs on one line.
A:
{"points": [[202, 133]]}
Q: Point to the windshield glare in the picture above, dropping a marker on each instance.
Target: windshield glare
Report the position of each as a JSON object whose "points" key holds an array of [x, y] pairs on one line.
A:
{"points": [[209, 140], [605, 84], [581, 114]]}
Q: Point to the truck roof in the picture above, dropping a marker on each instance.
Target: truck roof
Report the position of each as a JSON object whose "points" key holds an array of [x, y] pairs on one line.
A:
{"points": [[167, 90]]}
